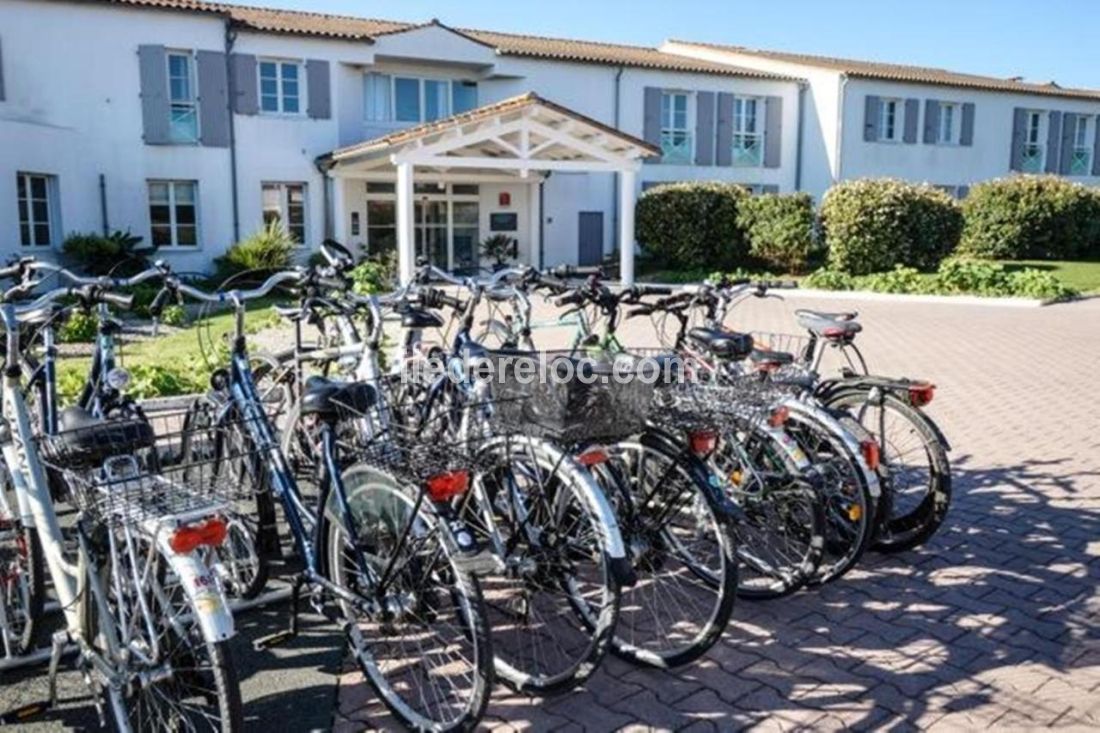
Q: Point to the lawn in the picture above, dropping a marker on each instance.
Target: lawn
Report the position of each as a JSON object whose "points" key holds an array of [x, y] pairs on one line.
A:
{"points": [[1083, 276]]}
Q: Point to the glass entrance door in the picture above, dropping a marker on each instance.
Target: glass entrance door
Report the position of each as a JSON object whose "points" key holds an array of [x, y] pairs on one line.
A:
{"points": [[430, 219], [446, 223]]}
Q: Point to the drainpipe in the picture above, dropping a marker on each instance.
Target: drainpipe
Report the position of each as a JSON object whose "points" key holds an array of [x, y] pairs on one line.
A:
{"points": [[542, 219], [615, 213], [798, 142], [103, 204], [841, 102], [230, 41]]}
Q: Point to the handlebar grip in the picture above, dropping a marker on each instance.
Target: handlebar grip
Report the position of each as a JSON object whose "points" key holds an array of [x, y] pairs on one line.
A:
{"points": [[125, 302], [674, 300], [643, 311], [332, 283], [452, 302], [553, 283], [570, 299], [161, 300], [337, 254], [653, 290]]}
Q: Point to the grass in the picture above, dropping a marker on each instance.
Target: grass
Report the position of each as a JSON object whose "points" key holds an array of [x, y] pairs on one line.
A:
{"points": [[1083, 276]]}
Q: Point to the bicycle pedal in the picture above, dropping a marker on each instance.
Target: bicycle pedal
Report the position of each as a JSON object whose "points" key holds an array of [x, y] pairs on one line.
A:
{"points": [[25, 712], [273, 640]]}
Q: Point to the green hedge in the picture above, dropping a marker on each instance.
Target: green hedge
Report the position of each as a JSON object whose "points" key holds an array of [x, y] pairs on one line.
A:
{"points": [[687, 225], [1031, 217], [779, 230], [873, 225]]}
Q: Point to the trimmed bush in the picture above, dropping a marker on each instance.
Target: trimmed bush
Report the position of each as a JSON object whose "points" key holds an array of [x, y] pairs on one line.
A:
{"points": [[271, 248], [968, 275], [1031, 217], [779, 230], [691, 225], [872, 225]]}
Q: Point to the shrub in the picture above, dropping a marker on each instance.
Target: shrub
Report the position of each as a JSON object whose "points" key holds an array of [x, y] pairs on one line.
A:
{"points": [[374, 275], [271, 248], [872, 225], [155, 380], [901, 279], [689, 225], [779, 230], [79, 327], [968, 275], [173, 315], [826, 279], [1031, 217], [118, 253], [1032, 283]]}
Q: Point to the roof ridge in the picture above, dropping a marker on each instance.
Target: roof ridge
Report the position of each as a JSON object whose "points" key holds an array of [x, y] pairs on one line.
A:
{"points": [[229, 7], [562, 39]]}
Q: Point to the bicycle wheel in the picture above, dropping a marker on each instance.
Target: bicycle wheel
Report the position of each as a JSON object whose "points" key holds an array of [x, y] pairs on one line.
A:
{"points": [[22, 576], [426, 650], [172, 678], [553, 607], [916, 467], [681, 547]]}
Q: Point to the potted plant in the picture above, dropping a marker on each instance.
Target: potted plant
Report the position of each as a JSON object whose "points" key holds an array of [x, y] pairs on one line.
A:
{"points": [[500, 248]]}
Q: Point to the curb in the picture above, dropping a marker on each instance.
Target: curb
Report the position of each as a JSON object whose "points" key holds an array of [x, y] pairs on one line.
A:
{"points": [[903, 297]]}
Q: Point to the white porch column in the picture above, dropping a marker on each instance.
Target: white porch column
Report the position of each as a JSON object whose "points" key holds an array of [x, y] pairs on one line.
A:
{"points": [[339, 210], [534, 221], [406, 242], [627, 200]]}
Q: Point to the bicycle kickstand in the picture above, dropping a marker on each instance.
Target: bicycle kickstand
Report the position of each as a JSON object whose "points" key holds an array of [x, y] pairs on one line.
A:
{"points": [[282, 637]]}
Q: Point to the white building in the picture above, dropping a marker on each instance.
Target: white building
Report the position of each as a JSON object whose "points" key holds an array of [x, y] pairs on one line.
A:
{"points": [[191, 123]]}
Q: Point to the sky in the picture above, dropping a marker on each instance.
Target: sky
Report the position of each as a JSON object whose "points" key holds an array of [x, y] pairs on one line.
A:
{"points": [[1039, 40]]}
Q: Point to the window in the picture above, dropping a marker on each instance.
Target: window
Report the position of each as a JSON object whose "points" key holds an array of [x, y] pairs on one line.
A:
{"points": [[748, 140], [950, 119], [173, 213], [1081, 162], [1034, 147], [182, 99], [446, 222], [423, 100], [281, 87], [675, 132], [35, 197], [889, 121], [286, 203]]}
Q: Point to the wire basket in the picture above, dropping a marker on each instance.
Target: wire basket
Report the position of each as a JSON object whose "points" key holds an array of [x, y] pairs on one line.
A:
{"points": [[787, 343], [173, 465], [572, 398], [731, 404]]}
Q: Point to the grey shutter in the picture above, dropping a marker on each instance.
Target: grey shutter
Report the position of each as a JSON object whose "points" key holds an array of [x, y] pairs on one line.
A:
{"points": [[773, 131], [1, 73], [651, 119], [1019, 122], [244, 84], [1069, 121], [1054, 134], [213, 99], [704, 128], [317, 80], [912, 115], [153, 71], [966, 133], [870, 118], [723, 130], [769, 188], [931, 120], [1096, 148]]}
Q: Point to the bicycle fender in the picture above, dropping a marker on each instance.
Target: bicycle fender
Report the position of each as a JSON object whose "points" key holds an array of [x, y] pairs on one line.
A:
{"points": [[834, 388], [814, 412], [203, 588], [699, 471]]}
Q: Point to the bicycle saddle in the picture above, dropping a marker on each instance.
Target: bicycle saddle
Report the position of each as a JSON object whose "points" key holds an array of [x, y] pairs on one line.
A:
{"points": [[420, 318], [328, 397], [724, 344], [85, 440], [766, 358], [829, 325]]}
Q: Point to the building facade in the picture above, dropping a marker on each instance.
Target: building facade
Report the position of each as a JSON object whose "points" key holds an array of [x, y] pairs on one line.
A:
{"points": [[192, 124]]}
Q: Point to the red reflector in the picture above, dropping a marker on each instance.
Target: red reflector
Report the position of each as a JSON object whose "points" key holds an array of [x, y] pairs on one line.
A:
{"points": [[703, 442], [921, 394], [832, 332], [448, 485], [210, 533], [779, 417], [871, 454], [592, 456]]}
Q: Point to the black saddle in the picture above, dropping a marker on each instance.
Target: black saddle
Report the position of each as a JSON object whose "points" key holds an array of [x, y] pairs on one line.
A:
{"points": [[329, 397], [765, 357], [420, 318], [724, 344], [829, 325], [86, 440]]}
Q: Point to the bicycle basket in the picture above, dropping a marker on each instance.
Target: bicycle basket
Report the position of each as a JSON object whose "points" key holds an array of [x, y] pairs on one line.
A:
{"points": [[732, 404], [172, 465], [786, 343]]}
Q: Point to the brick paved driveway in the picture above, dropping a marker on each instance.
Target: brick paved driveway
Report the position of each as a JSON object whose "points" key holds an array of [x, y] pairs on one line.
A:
{"points": [[995, 622]]}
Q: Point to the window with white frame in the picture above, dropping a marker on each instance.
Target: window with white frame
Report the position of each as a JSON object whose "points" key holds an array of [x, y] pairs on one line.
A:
{"points": [[174, 213], [35, 198], [281, 87], [675, 129], [182, 98], [1032, 156], [889, 120], [950, 124], [1081, 162], [748, 137], [286, 204], [416, 99]]}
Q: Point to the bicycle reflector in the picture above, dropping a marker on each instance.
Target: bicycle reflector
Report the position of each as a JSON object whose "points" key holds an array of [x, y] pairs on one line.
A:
{"points": [[592, 456], [210, 533], [779, 416], [871, 454], [703, 442], [921, 394], [444, 486]]}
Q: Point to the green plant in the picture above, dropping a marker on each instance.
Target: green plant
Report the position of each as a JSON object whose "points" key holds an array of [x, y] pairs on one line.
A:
{"points": [[1032, 283], [154, 380], [173, 315], [901, 279], [969, 275], [79, 327], [779, 230], [270, 248], [1031, 217], [690, 225], [871, 225], [374, 275], [499, 248], [826, 279], [116, 253]]}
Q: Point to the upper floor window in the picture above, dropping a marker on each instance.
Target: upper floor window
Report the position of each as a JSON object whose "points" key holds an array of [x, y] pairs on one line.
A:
{"points": [[1081, 162], [173, 213], [281, 87], [675, 130], [35, 196], [948, 132], [1035, 122], [748, 137], [286, 204], [889, 121], [182, 98], [415, 99]]}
